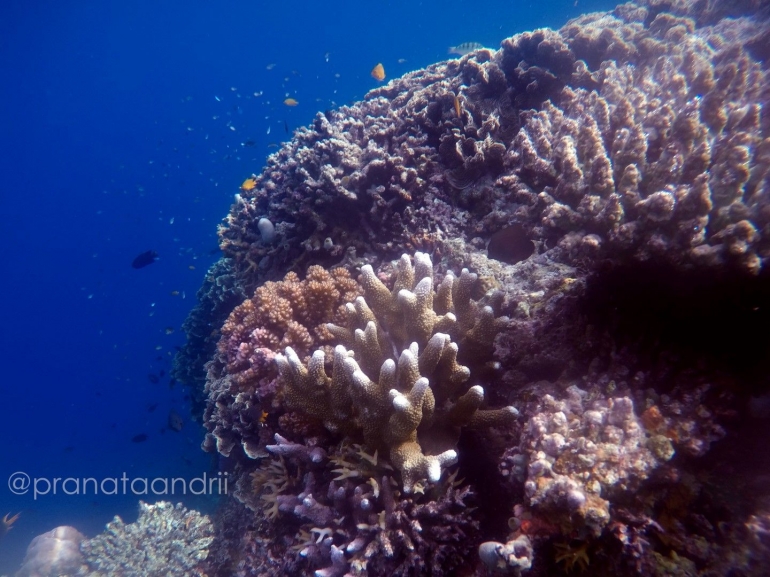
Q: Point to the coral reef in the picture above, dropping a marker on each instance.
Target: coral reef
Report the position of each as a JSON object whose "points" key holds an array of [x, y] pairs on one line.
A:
{"points": [[338, 505], [608, 186], [633, 133], [241, 379], [388, 399], [220, 294], [166, 540], [54, 554], [512, 557], [577, 452], [349, 517]]}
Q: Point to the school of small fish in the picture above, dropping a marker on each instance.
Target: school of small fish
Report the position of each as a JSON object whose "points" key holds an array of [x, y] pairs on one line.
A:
{"points": [[231, 116]]}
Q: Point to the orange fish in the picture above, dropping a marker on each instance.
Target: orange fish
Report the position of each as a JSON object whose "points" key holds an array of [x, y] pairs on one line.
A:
{"points": [[290, 102], [6, 523], [378, 72], [458, 110]]}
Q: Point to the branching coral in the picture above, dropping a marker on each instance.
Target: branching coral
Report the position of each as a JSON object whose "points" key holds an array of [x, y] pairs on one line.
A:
{"points": [[419, 389], [165, 540], [353, 520], [241, 377], [633, 138]]}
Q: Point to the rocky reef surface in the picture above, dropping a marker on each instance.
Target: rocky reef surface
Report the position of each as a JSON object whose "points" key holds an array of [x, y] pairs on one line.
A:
{"points": [[507, 315]]}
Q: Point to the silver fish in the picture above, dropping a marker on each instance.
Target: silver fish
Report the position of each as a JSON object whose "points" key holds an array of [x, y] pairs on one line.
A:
{"points": [[465, 48]]}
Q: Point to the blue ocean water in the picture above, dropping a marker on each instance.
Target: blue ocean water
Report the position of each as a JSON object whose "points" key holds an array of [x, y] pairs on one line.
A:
{"points": [[128, 127]]}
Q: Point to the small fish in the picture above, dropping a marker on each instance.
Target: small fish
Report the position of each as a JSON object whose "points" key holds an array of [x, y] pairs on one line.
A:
{"points": [[144, 259], [151, 408], [140, 438], [286, 126], [378, 72], [248, 143], [174, 293], [270, 66], [6, 523], [458, 110], [401, 60], [465, 48], [191, 267], [169, 330], [290, 102], [175, 421], [153, 378]]}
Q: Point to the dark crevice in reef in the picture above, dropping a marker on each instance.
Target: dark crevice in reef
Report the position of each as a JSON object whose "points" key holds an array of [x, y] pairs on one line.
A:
{"points": [[691, 317], [478, 467]]}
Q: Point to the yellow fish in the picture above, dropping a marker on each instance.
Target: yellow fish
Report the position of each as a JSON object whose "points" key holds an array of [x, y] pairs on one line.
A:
{"points": [[290, 102], [378, 72], [249, 184]]}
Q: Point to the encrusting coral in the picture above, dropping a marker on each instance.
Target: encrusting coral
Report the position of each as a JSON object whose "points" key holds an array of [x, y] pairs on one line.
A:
{"points": [[389, 398]]}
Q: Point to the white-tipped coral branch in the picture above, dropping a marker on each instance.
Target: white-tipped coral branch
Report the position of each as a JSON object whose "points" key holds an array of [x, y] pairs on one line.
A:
{"points": [[389, 399]]}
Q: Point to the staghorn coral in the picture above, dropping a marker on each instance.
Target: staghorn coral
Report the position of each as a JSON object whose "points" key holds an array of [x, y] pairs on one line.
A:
{"points": [[418, 390], [165, 540], [351, 519]]}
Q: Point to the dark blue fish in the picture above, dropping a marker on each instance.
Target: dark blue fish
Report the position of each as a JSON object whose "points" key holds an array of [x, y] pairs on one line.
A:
{"points": [[144, 259], [140, 438], [153, 378]]}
